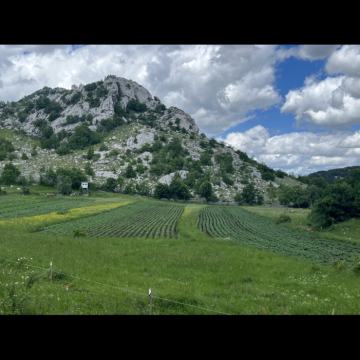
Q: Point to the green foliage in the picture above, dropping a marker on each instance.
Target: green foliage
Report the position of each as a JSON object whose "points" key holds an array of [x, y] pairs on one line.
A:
{"points": [[227, 180], [83, 137], [205, 158], [63, 149], [143, 188], [162, 191], [250, 229], [130, 172], [225, 161], [89, 170], [340, 202], [296, 196], [6, 147], [110, 185], [178, 189], [140, 169], [170, 158], [10, 174], [283, 218], [206, 191], [250, 196], [50, 177], [90, 153], [75, 98], [160, 108], [106, 125], [24, 156], [136, 106], [113, 153], [267, 174], [103, 147], [63, 185]]}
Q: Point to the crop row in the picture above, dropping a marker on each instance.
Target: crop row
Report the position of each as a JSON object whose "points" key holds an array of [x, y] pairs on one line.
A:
{"points": [[135, 220], [11, 206], [250, 229]]}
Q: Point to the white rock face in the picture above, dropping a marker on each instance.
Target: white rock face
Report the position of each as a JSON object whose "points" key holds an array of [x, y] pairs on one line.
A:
{"points": [[141, 139], [106, 174], [167, 179], [185, 121]]}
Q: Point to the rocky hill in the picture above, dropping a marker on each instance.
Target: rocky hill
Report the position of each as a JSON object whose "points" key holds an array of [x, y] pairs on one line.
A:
{"points": [[116, 129]]}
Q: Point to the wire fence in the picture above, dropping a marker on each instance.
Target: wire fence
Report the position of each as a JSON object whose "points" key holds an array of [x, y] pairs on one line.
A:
{"points": [[124, 289]]}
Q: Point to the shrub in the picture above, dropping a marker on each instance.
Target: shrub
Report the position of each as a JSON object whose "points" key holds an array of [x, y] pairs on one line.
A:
{"points": [[135, 105], [103, 147], [24, 156], [162, 191], [83, 137], [10, 174], [110, 185], [206, 190], [283, 218], [88, 170], [63, 185], [249, 196], [130, 172]]}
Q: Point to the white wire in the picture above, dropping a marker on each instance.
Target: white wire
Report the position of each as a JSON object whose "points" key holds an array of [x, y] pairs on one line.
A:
{"points": [[128, 290]]}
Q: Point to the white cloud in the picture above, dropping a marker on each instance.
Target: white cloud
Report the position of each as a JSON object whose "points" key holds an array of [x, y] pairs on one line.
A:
{"points": [[334, 100], [298, 152], [307, 52], [228, 81], [315, 52], [345, 60]]}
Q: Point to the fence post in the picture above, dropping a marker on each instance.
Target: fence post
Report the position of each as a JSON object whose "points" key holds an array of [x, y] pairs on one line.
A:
{"points": [[51, 270]]}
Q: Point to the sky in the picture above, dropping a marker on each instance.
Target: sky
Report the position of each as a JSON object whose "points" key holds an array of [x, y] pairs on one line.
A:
{"points": [[292, 107]]}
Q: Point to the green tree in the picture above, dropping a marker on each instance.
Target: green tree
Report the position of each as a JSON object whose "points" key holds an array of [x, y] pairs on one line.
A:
{"points": [[10, 174], [249, 196], [178, 189], [110, 184], [63, 185], [130, 172], [206, 190], [162, 191]]}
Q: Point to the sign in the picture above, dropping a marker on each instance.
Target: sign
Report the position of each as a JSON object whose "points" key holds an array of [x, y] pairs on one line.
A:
{"points": [[84, 185]]}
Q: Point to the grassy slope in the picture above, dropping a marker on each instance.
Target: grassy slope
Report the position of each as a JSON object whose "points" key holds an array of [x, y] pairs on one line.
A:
{"points": [[194, 269], [345, 231]]}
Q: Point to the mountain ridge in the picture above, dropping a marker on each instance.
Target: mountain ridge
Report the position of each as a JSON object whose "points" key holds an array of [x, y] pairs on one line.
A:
{"points": [[125, 126]]}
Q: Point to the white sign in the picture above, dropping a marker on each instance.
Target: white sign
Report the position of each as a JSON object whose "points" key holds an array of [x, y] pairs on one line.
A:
{"points": [[84, 185]]}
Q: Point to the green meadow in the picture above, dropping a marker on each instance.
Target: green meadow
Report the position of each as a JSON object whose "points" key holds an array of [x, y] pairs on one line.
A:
{"points": [[100, 255]]}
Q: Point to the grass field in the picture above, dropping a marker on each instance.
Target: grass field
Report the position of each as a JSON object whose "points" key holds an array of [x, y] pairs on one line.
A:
{"points": [[189, 271]]}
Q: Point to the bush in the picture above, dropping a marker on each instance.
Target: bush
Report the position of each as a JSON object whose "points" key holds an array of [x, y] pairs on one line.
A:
{"points": [[83, 137], [25, 190], [130, 172], [63, 185], [88, 170], [162, 191], [206, 190], [110, 185], [283, 218], [24, 156], [135, 105], [249, 196], [10, 174], [178, 189], [63, 149], [225, 161]]}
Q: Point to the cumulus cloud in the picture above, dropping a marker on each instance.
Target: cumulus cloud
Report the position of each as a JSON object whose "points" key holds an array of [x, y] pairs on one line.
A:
{"points": [[221, 85], [307, 52], [298, 152], [334, 100]]}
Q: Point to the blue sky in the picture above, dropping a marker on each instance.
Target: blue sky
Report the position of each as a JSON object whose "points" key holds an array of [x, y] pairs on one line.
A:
{"points": [[290, 74], [292, 107]]}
